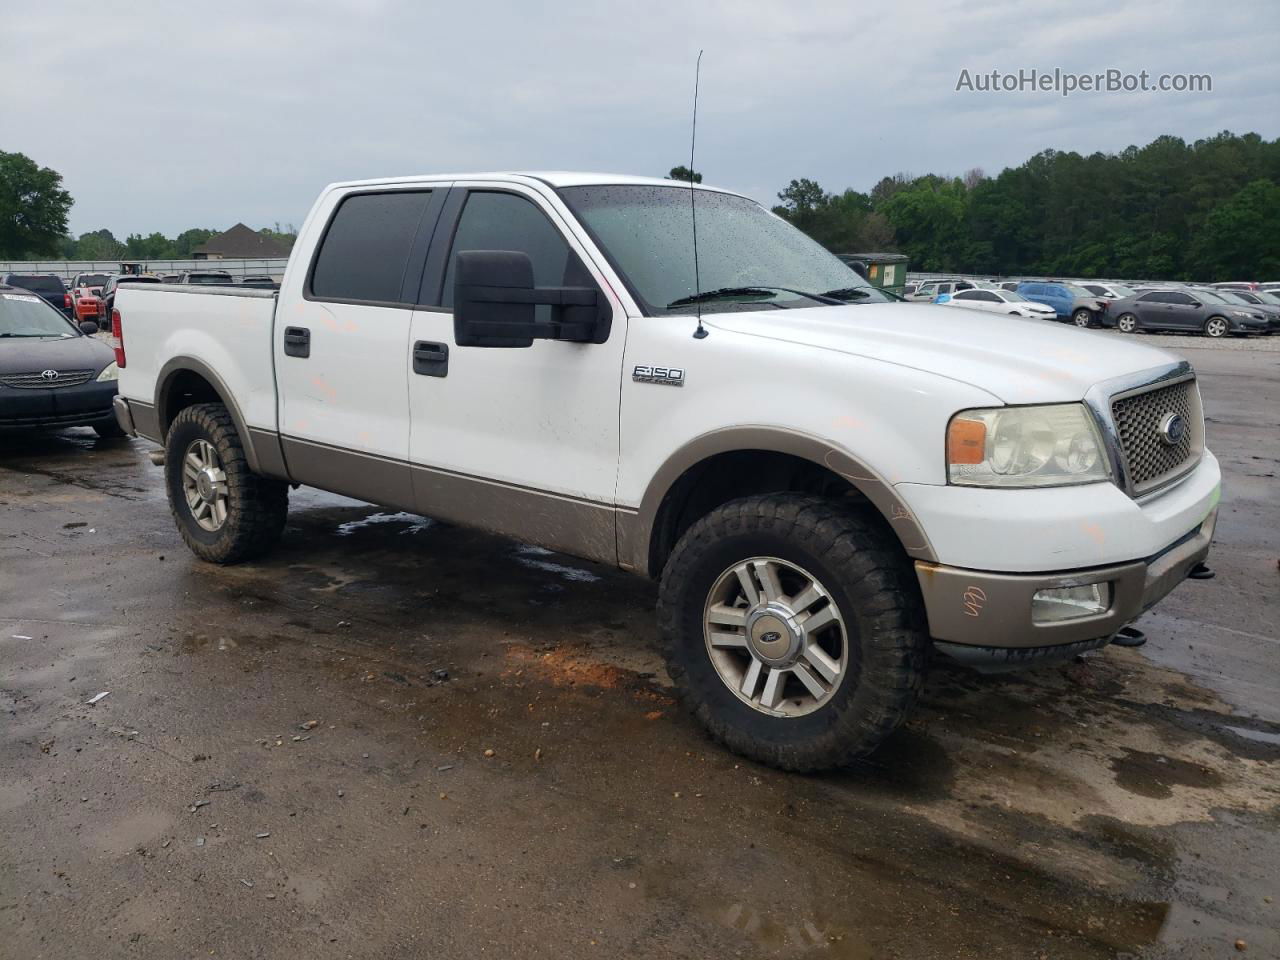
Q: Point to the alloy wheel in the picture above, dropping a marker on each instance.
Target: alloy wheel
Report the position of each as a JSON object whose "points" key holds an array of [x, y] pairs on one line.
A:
{"points": [[776, 637], [1127, 324], [204, 485], [1215, 327]]}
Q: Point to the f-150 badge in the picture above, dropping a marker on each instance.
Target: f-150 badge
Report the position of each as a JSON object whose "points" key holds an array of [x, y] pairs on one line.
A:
{"points": [[671, 376]]}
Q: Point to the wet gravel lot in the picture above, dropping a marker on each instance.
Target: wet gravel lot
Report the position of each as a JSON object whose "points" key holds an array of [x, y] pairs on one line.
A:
{"points": [[394, 738]]}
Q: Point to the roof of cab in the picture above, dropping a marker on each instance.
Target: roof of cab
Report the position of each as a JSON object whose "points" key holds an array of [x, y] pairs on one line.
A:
{"points": [[552, 178]]}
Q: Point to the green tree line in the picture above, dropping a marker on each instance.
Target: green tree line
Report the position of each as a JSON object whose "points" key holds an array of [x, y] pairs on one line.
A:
{"points": [[1208, 210], [102, 245]]}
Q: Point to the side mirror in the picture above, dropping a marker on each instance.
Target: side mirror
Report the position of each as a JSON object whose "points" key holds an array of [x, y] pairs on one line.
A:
{"points": [[89, 327], [495, 301], [1196, 303]]}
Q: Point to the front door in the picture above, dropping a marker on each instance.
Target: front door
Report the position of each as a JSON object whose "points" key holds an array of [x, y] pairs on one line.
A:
{"points": [[523, 441], [342, 348]]}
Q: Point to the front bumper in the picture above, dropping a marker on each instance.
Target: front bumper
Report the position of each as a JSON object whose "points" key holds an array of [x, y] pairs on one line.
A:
{"points": [[85, 405], [987, 611]]}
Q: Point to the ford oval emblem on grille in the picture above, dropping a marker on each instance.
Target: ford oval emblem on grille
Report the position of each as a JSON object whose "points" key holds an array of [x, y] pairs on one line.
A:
{"points": [[1173, 429], [49, 375]]}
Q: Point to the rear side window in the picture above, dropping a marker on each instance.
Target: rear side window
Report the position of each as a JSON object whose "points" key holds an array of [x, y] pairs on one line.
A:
{"points": [[505, 221], [364, 252]]}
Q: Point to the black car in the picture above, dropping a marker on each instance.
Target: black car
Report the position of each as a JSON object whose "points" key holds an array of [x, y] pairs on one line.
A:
{"points": [[46, 286], [108, 298], [1198, 311], [53, 374]]}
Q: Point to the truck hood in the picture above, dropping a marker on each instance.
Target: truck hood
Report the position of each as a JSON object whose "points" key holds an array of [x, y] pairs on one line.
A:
{"points": [[1018, 359]]}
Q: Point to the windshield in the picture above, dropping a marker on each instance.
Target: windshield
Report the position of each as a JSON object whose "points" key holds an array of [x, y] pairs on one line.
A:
{"points": [[1013, 296], [1229, 297], [1214, 296], [748, 258], [93, 279], [1268, 298], [1122, 291], [26, 315]]}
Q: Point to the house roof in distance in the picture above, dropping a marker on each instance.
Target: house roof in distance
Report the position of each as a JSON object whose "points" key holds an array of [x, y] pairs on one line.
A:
{"points": [[242, 242]]}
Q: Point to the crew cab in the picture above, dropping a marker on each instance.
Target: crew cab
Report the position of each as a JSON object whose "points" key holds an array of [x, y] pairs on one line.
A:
{"points": [[829, 487]]}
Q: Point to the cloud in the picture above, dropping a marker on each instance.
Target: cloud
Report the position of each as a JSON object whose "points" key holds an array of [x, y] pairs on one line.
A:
{"points": [[175, 116]]}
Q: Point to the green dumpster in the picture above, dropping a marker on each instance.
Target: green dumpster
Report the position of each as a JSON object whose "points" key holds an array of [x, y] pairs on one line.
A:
{"points": [[887, 270]]}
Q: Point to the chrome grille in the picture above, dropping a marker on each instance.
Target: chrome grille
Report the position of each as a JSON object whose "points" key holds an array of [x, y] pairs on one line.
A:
{"points": [[37, 380], [1150, 462]]}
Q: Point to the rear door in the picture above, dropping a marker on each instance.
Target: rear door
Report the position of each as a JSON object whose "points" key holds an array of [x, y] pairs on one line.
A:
{"points": [[1153, 310], [341, 342]]}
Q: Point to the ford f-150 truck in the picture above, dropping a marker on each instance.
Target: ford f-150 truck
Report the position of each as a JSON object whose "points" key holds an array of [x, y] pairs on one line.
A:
{"points": [[828, 484]]}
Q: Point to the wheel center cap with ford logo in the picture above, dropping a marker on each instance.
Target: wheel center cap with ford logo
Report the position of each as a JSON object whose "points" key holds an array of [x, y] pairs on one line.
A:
{"points": [[1173, 429], [49, 375], [774, 635]]}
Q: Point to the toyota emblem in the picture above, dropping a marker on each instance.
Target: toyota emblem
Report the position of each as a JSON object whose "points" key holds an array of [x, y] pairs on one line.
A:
{"points": [[49, 375], [1173, 428]]}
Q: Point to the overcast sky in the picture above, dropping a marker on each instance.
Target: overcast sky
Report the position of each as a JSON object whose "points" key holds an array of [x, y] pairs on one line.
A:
{"points": [[167, 116]]}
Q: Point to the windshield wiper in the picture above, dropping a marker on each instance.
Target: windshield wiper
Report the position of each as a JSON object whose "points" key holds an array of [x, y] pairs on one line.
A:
{"points": [[844, 293], [724, 293], [30, 335]]}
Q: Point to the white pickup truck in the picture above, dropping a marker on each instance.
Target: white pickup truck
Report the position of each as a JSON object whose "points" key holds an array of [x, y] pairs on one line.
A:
{"points": [[828, 483]]}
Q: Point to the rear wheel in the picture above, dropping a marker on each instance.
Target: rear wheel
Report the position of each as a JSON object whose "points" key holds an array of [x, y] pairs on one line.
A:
{"points": [[224, 511], [793, 630], [1127, 323], [1082, 318], [1216, 327]]}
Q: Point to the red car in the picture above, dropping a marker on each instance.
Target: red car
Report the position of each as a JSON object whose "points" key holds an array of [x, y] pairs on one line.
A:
{"points": [[86, 290]]}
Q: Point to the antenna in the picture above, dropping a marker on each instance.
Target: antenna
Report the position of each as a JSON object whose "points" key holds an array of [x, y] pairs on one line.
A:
{"points": [[701, 332]]}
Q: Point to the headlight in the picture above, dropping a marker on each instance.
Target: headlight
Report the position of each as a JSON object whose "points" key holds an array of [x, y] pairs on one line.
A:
{"points": [[1025, 447], [110, 372]]}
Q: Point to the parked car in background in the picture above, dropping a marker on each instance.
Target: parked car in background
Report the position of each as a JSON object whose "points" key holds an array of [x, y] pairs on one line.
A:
{"points": [[1269, 287], [86, 288], [1199, 312], [1070, 301], [1250, 301], [52, 372], [930, 290], [1109, 291], [265, 282], [1009, 284], [213, 277], [46, 286], [998, 301], [108, 298], [1235, 285]]}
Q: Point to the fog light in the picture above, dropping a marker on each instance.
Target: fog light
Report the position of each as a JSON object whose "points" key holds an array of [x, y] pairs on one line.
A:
{"points": [[1070, 603]]}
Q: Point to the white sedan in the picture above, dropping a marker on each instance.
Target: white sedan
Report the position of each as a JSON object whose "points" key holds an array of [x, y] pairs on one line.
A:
{"points": [[998, 301]]}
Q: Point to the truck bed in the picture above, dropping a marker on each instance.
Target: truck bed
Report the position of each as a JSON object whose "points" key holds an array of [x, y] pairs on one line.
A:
{"points": [[225, 329]]}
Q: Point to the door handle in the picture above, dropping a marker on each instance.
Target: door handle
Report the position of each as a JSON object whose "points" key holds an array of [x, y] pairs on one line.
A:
{"points": [[297, 342], [431, 359]]}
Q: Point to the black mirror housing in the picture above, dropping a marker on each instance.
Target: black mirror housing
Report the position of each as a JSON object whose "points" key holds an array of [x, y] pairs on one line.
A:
{"points": [[494, 304], [89, 327]]}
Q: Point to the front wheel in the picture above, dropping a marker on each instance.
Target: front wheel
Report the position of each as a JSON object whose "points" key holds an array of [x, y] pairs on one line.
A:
{"points": [[1127, 323], [224, 511], [1082, 318], [793, 630], [1216, 327]]}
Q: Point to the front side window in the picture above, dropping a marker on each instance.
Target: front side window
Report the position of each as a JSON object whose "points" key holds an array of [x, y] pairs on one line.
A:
{"points": [[747, 257], [364, 252], [507, 221]]}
